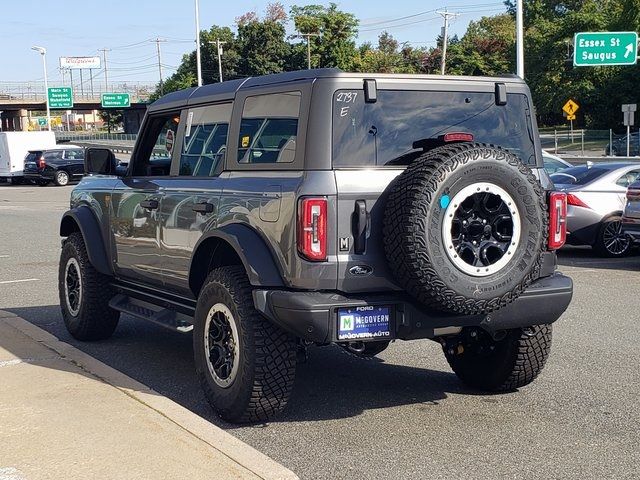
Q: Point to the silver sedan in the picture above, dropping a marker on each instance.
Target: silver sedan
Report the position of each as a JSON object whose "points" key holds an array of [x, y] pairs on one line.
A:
{"points": [[596, 196]]}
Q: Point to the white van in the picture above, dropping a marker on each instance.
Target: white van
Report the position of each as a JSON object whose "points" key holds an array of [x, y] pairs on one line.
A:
{"points": [[14, 146]]}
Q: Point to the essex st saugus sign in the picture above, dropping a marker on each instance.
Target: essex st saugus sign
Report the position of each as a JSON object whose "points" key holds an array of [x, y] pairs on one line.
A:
{"points": [[592, 49]]}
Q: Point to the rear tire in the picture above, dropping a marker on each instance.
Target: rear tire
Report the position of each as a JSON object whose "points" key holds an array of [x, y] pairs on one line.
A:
{"points": [[611, 241], [245, 364], [499, 365], [84, 294], [61, 178]]}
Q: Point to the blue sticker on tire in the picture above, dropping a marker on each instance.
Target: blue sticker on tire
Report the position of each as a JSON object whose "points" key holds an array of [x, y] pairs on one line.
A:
{"points": [[364, 323]]}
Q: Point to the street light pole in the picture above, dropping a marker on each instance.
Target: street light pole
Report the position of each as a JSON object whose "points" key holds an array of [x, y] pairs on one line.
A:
{"points": [[198, 59], [519, 39], [43, 51]]}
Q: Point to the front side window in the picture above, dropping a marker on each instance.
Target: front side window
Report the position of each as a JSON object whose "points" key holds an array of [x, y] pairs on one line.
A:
{"points": [[154, 157], [392, 130], [205, 140], [269, 128]]}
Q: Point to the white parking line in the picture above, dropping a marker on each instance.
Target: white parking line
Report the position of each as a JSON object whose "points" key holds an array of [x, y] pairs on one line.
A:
{"points": [[4, 256], [20, 281]]}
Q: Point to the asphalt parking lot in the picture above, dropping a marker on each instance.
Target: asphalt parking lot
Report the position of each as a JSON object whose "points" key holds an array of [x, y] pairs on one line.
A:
{"points": [[404, 415]]}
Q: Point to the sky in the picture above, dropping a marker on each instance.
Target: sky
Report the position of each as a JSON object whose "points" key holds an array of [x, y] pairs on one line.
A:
{"points": [[81, 27]]}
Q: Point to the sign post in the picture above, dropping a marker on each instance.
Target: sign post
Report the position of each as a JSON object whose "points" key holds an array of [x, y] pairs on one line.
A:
{"points": [[628, 110], [593, 49], [60, 97], [116, 100], [570, 108]]}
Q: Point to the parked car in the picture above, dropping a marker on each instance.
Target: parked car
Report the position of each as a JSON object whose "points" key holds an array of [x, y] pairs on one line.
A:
{"points": [[596, 198], [59, 165], [631, 214], [619, 147], [324, 207], [553, 163], [14, 146]]}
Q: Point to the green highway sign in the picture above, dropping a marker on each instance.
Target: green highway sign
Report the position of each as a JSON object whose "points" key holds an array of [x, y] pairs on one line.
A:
{"points": [[42, 121], [115, 100], [60, 97], [591, 49]]}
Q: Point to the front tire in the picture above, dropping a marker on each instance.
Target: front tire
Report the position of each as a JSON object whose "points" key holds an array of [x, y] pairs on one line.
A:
{"points": [[611, 241], [84, 294], [245, 364], [61, 178], [499, 365]]}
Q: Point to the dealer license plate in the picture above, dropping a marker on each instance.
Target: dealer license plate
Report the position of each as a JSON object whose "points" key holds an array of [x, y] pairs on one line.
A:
{"points": [[364, 323]]}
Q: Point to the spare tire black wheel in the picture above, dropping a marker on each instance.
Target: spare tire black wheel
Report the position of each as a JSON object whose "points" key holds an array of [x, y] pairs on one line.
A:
{"points": [[465, 226]]}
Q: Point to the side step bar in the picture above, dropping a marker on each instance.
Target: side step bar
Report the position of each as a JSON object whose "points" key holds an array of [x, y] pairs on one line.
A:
{"points": [[148, 311]]}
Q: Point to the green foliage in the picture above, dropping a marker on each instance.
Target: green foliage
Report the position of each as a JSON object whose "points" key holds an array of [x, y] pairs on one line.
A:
{"points": [[335, 44]]}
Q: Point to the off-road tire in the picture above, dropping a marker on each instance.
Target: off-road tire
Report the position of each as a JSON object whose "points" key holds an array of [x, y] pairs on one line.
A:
{"points": [[413, 228], [515, 361], [267, 354], [61, 178], [94, 319], [600, 244]]}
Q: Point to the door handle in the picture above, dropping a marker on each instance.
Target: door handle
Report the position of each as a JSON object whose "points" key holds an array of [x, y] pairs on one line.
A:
{"points": [[204, 208], [149, 204], [360, 220]]}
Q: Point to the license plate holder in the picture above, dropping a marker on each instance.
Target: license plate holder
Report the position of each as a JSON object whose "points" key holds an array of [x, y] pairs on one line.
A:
{"points": [[364, 323]]}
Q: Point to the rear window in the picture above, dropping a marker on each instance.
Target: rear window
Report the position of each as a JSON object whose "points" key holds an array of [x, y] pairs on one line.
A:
{"points": [[578, 175], [32, 156], [383, 133]]}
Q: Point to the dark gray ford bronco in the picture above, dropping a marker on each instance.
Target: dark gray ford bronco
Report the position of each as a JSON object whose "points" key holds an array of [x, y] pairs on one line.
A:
{"points": [[268, 214]]}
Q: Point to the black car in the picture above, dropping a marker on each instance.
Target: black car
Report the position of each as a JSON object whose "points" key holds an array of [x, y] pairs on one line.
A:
{"points": [[57, 165], [619, 148]]}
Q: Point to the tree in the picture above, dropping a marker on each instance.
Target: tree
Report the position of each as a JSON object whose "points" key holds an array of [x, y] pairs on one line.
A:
{"points": [[112, 118], [335, 46], [262, 45]]}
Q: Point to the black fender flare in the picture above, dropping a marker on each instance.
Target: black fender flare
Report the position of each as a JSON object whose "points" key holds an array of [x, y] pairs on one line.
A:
{"points": [[251, 248], [83, 219]]}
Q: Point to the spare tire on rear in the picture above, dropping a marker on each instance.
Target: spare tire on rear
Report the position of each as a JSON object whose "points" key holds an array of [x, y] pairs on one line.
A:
{"points": [[465, 228]]}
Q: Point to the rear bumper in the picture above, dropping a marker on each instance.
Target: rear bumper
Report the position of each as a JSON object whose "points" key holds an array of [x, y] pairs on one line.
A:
{"points": [[313, 315], [631, 227], [38, 175]]}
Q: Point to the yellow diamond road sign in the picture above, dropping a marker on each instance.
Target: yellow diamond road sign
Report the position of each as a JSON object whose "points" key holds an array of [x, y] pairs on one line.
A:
{"points": [[570, 107]]}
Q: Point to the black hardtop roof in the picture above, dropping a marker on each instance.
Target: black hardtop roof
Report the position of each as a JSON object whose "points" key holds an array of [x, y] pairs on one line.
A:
{"points": [[227, 90]]}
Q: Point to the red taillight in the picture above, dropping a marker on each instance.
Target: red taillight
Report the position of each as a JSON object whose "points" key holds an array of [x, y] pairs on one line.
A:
{"points": [[41, 163], [457, 137], [633, 193], [575, 201], [312, 228], [557, 220]]}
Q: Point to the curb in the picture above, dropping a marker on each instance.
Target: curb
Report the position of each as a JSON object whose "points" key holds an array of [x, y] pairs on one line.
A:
{"points": [[238, 451]]}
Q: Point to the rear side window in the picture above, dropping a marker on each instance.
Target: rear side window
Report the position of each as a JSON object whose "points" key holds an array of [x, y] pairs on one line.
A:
{"points": [[269, 128], [32, 156], [384, 133], [53, 155], [205, 140]]}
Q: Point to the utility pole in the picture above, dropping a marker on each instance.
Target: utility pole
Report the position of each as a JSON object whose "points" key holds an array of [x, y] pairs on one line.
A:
{"points": [[519, 39], [104, 60], [308, 37], [445, 37], [198, 58], [158, 40], [43, 52], [218, 45]]}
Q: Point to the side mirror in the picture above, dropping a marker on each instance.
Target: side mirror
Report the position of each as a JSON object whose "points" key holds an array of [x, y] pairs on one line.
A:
{"points": [[99, 161]]}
